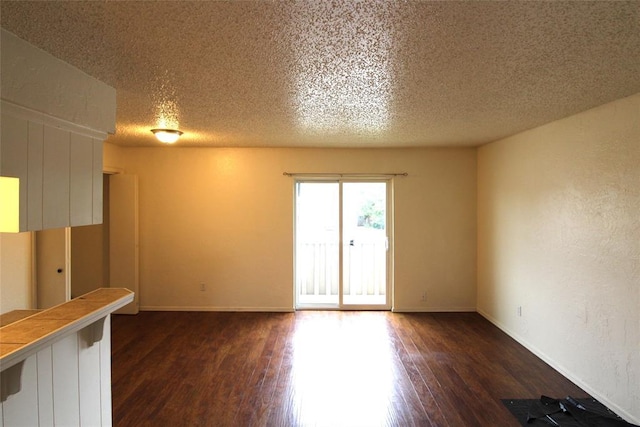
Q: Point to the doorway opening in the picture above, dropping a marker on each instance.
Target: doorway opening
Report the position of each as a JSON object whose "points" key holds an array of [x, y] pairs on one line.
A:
{"points": [[73, 261], [342, 252]]}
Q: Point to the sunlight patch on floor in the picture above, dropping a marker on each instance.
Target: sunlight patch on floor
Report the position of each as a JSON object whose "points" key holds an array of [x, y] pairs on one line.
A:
{"points": [[343, 372]]}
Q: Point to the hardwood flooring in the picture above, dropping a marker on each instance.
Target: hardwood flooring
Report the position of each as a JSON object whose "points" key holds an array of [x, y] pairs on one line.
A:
{"points": [[320, 368]]}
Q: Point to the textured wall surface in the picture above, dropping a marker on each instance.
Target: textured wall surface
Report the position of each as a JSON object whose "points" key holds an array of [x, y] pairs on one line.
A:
{"points": [[559, 236], [224, 217], [34, 79]]}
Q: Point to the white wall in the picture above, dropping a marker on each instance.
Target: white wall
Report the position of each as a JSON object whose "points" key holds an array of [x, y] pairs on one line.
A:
{"points": [[224, 217], [87, 259], [559, 235]]}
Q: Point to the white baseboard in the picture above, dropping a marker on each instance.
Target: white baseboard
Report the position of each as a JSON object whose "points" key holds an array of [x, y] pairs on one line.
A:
{"points": [[433, 309], [562, 369], [291, 309], [209, 308]]}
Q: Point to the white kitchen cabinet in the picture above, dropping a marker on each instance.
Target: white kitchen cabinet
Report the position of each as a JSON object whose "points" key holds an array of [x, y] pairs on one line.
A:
{"points": [[55, 192], [60, 169], [54, 119], [34, 176], [81, 180]]}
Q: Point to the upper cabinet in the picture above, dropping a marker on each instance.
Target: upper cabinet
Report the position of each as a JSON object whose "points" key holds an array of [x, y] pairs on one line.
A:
{"points": [[54, 120], [60, 170]]}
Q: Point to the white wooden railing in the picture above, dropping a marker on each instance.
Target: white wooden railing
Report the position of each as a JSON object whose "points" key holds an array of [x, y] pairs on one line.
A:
{"points": [[317, 271]]}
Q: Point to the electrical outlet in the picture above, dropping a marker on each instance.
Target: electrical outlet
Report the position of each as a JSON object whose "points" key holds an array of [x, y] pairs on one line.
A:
{"points": [[202, 287], [519, 311], [424, 296]]}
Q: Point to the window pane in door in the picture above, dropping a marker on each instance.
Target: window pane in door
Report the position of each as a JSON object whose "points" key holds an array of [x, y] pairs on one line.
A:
{"points": [[364, 225], [317, 243]]}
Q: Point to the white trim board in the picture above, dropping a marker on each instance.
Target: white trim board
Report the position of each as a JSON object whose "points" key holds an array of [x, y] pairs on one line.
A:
{"points": [[433, 309], [291, 309], [18, 111], [209, 308]]}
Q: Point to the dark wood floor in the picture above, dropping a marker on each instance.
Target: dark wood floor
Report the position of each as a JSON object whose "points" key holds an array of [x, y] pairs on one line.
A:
{"points": [[319, 368]]}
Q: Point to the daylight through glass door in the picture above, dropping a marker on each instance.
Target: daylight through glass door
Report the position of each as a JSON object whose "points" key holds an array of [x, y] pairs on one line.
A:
{"points": [[341, 245]]}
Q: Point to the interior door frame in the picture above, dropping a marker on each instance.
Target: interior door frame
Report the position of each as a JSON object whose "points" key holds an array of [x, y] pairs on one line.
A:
{"points": [[389, 228], [124, 270], [36, 302]]}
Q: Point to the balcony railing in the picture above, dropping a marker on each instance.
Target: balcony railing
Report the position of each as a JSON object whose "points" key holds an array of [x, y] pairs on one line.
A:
{"points": [[364, 272]]}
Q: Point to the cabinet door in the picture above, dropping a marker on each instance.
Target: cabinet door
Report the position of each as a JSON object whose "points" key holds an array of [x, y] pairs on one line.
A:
{"points": [[14, 148], [60, 173], [34, 182], [55, 197], [81, 180]]}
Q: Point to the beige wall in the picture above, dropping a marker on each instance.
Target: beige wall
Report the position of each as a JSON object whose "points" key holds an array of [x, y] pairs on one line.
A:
{"points": [[87, 259], [559, 235], [15, 272], [224, 217], [112, 158]]}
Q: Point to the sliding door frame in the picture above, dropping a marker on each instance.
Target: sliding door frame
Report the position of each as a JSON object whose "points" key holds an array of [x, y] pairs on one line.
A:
{"points": [[389, 230]]}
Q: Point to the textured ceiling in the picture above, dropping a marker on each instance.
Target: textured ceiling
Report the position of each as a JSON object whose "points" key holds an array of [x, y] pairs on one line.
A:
{"points": [[341, 73]]}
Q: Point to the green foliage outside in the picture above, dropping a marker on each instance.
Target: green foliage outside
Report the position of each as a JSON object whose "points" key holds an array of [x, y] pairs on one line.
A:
{"points": [[372, 214]]}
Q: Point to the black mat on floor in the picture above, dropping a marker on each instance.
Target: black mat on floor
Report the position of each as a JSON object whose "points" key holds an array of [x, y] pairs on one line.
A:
{"points": [[566, 412]]}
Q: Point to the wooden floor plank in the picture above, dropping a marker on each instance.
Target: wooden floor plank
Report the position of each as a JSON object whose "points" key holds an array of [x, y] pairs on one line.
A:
{"points": [[319, 368]]}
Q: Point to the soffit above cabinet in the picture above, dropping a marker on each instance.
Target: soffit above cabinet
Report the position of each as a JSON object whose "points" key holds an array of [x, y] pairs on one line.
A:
{"points": [[38, 81]]}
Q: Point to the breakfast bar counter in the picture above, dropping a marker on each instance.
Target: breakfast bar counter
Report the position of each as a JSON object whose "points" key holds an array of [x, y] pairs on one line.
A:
{"points": [[56, 363], [27, 335]]}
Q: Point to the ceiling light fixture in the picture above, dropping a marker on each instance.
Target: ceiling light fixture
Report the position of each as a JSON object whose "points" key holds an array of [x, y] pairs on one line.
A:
{"points": [[168, 136]]}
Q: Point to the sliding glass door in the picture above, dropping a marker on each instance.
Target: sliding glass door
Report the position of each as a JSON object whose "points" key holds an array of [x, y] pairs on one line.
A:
{"points": [[317, 234], [342, 244]]}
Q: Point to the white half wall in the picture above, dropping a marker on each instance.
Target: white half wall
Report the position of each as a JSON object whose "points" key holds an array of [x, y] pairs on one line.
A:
{"points": [[559, 236], [224, 217]]}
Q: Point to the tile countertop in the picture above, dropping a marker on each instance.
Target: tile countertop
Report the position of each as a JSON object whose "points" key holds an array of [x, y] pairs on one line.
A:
{"points": [[15, 315], [20, 339]]}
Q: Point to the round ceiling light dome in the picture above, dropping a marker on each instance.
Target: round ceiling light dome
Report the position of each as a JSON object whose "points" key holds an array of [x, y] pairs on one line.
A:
{"points": [[168, 136]]}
